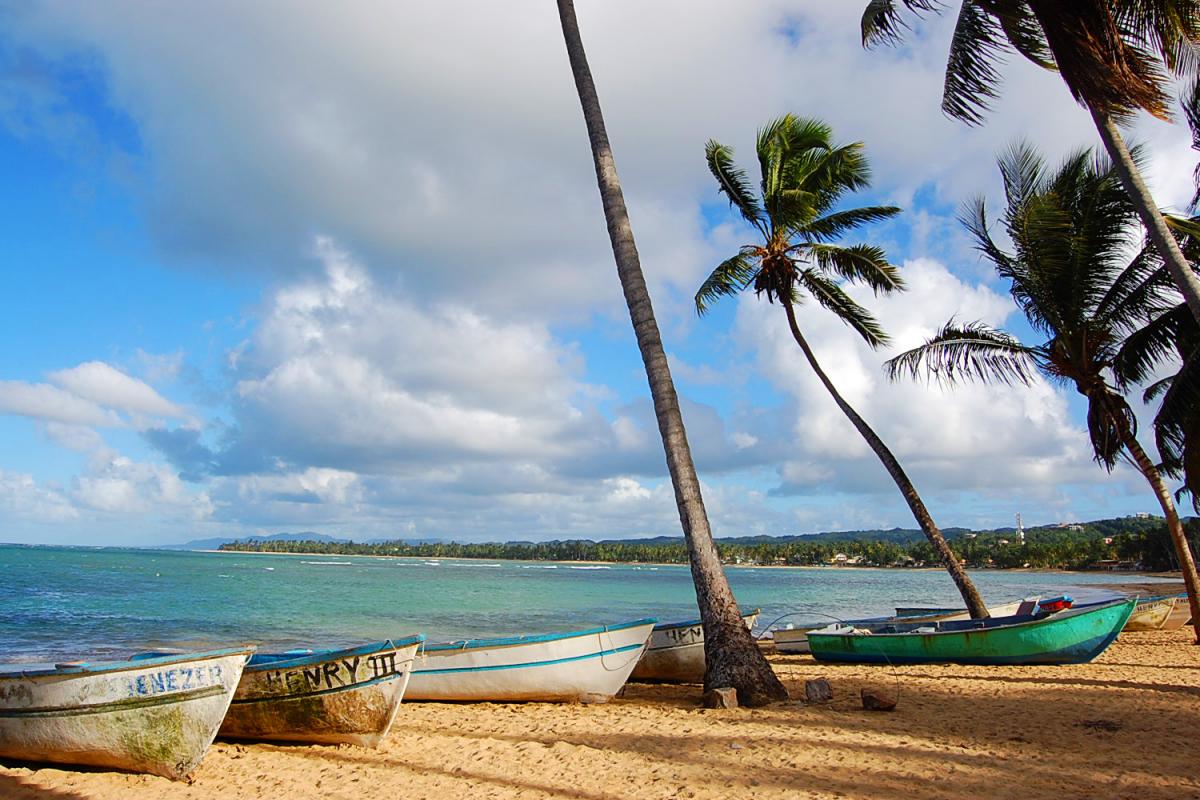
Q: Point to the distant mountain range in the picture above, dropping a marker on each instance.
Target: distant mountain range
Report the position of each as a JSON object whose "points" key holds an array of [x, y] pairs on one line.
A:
{"points": [[893, 535]]}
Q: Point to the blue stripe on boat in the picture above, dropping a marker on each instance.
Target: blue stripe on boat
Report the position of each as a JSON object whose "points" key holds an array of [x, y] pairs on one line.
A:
{"points": [[550, 662], [264, 661], [470, 644], [86, 668], [691, 623]]}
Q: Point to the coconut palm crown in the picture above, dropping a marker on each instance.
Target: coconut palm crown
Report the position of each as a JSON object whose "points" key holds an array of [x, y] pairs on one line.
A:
{"points": [[1071, 274], [803, 177]]}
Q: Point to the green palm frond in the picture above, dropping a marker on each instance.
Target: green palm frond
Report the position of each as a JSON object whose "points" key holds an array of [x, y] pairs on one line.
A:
{"points": [[1024, 33], [1177, 424], [859, 263], [733, 183], [882, 22], [972, 351], [730, 277], [971, 74], [831, 296], [831, 226], [1144, 350]]}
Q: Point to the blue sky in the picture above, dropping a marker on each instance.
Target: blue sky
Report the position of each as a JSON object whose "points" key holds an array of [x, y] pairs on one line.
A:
{"points": [[283, 267]]}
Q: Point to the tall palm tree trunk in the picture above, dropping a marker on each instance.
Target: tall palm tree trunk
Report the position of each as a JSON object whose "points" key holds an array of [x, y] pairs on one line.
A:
{"points": [[732, 658], [966, 588], [1131, 178], [1187, 564]]}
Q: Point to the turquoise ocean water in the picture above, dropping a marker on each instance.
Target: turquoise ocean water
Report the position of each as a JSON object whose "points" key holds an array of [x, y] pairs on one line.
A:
{"points": [[60, 602]]}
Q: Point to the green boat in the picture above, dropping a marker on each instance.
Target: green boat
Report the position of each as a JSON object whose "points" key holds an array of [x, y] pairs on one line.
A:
{"points": [[1074, 636]]}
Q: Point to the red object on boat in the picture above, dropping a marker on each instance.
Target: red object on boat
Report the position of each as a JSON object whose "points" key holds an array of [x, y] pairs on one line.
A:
{"points": [[1053, 604]]}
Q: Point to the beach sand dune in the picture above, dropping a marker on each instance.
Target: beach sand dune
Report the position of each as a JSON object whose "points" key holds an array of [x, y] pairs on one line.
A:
{"points": [[1124, 726]]}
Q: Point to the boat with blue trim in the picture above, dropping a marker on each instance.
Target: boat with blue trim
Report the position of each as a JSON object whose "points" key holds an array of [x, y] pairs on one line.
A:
{"points": [[346, 696], [1072, 636], [675, 652], [588, 666], [156, 715]]}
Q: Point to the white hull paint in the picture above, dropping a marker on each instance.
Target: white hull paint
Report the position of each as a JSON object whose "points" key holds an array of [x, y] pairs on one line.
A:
{"points": [[348, 696], [155, 715], [1151, 615], [586, 666], [675, 652], [1180, 615]]}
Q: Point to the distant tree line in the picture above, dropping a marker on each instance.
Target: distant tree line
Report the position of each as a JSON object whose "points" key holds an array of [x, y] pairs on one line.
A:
{"points": [[1141, 543]]}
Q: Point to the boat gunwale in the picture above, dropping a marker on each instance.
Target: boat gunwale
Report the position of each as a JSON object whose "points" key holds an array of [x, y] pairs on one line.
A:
{"points": [[1026, 620], [476, 644], [320, 656], [101, 667], [691, 623]]}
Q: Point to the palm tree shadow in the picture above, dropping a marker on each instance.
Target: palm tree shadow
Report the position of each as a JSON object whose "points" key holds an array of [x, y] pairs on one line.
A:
{"points": [[14, 788]]}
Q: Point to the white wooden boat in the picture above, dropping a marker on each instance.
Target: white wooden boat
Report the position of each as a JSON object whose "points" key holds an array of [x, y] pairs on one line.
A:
{"points": [[348, 696], [794, 638], [155, 715], [1151, 614], [1180, 615], [675, 652], [587, 666]]}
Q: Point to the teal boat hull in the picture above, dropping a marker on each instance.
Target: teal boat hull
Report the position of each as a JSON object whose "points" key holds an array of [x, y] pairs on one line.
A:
{"points": [[1075, 636]]}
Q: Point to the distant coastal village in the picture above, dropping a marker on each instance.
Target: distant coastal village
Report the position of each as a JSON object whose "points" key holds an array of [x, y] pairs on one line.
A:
{"points": [[1137, 542]]}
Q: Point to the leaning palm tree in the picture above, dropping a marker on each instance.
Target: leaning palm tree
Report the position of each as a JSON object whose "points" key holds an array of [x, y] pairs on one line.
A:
{"points": [[1069, 274], [803, 177], [732, 657], [1114, 56]]}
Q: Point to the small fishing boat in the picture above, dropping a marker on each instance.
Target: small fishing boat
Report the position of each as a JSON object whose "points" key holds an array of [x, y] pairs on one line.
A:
{"points": [[155, 715], [794, 638], [675, 652], [1150, 614], [1073, 636], [588, 666], [1180, 615], [345, 696]]}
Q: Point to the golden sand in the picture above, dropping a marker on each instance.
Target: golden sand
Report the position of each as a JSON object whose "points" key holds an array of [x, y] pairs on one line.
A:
{"points": [[1125, 726]]}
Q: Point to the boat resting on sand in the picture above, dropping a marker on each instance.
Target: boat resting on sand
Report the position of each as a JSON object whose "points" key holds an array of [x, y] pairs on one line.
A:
{"points": [[155, 715], [348, 696], [588, 666], [1151, 614], [1180, 615], [794, 638], [1074, 636], [675, 652]]}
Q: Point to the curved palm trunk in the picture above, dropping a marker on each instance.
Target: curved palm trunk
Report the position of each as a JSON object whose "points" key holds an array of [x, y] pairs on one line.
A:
{"points": [[1156, 227], [1187, 564], [732, 658], [966, 588]]}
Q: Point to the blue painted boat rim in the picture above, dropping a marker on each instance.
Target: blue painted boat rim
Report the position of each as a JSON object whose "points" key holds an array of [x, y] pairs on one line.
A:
{"points": [[474, 644], [280, 660], [691, 623], [968, 626], [529, 664], [87, 668]]}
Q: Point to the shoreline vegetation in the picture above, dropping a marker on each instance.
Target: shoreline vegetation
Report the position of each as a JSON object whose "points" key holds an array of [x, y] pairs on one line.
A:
{"points": [[1126, 544]]}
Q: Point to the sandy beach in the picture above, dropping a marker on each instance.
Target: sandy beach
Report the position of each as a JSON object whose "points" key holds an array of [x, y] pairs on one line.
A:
{"points": [[1123, 726]]}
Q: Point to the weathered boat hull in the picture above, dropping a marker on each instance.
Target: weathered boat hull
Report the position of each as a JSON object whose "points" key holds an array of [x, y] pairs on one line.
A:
{"points": [[1180, 615], [584, 666], [346, 696], [155, 715], [675, 652], [1073, 636], [1150, 615]]}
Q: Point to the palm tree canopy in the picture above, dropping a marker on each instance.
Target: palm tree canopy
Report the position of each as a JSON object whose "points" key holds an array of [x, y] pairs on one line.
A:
{"points": [[1114, 55], [1070, 272], [795, 212]]}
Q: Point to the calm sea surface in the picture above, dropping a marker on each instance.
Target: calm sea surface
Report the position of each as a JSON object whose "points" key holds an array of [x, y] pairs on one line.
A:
{"points": [[60, 602]]}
